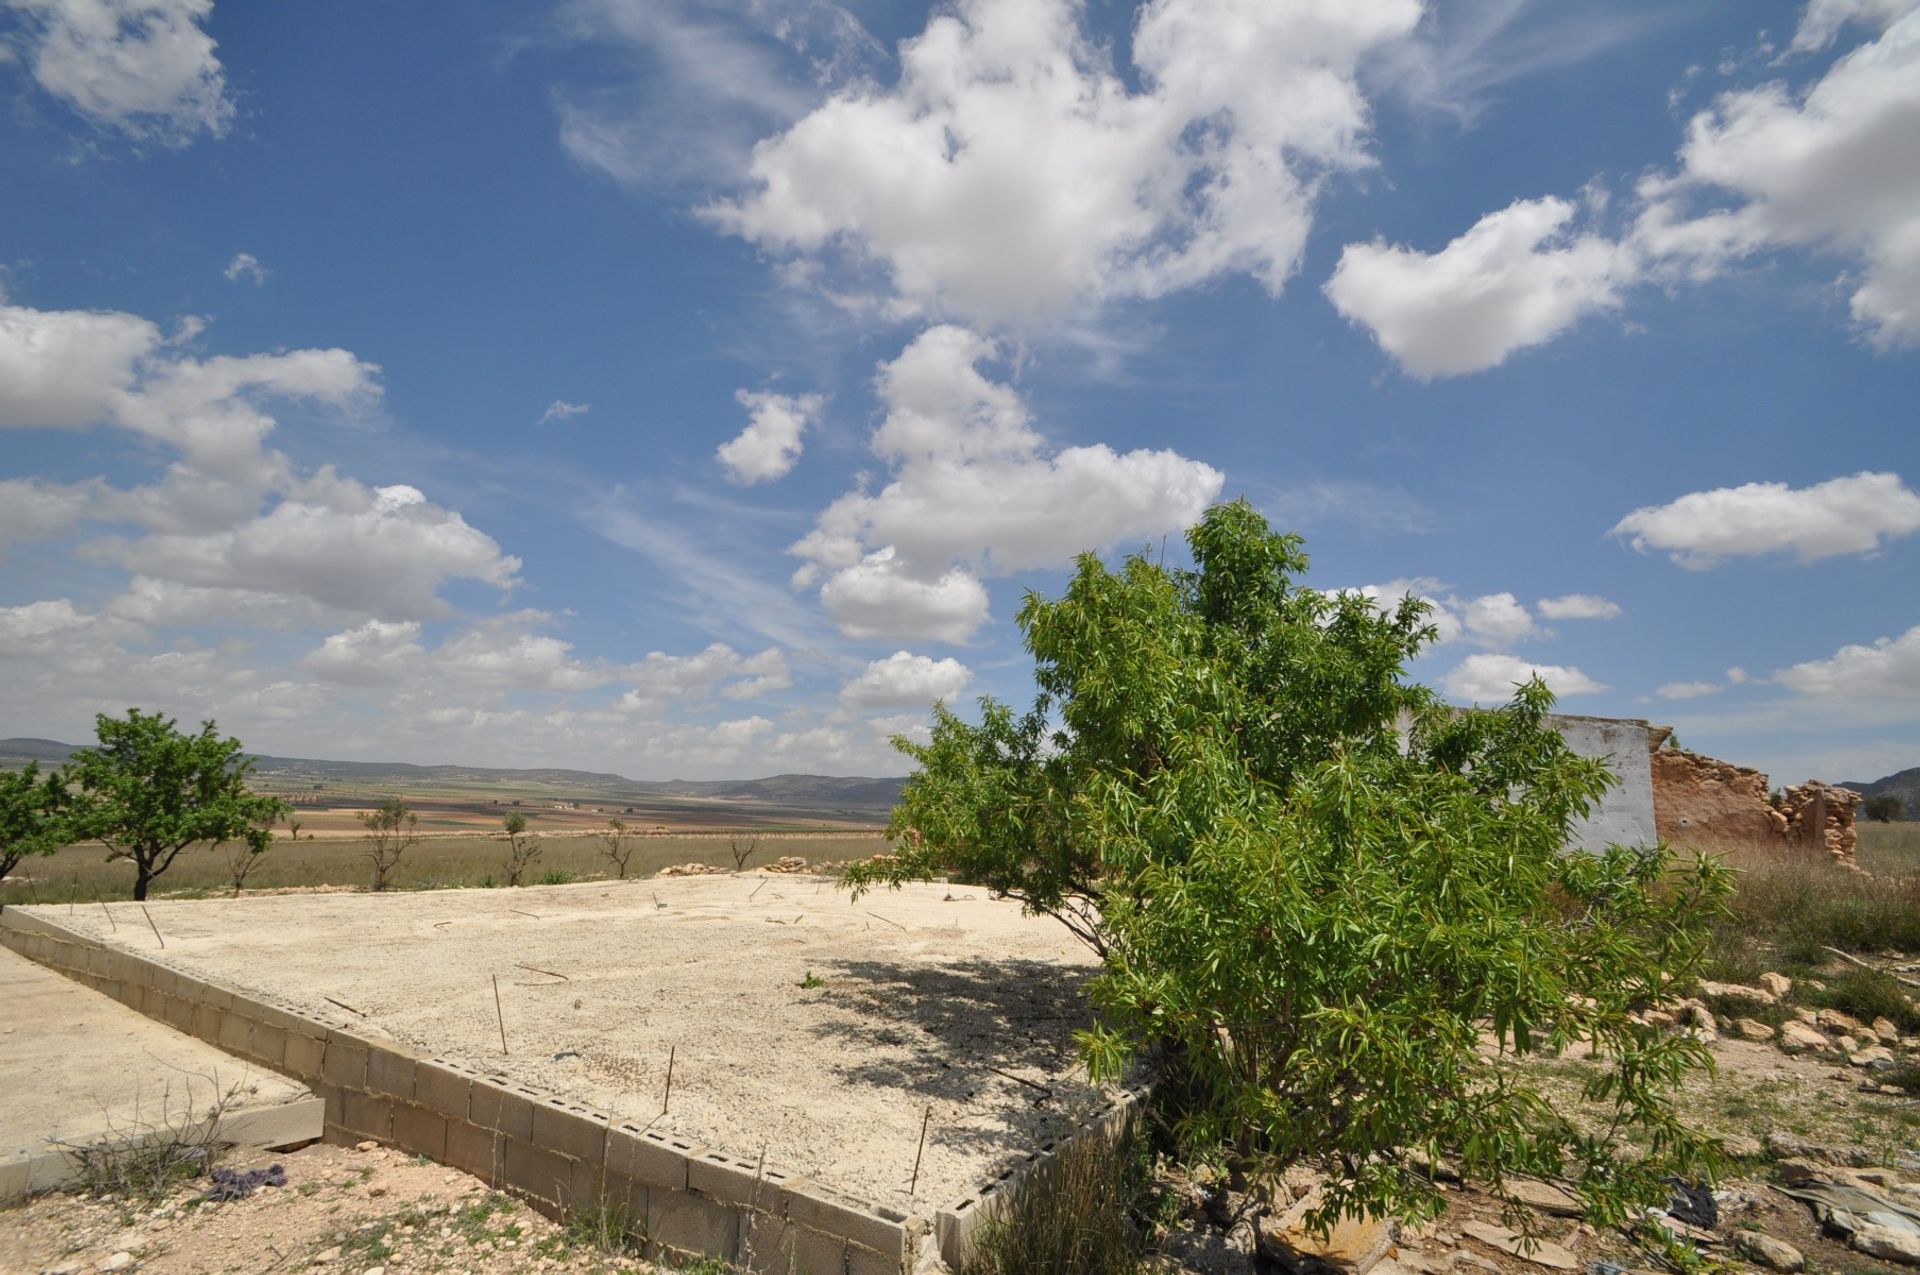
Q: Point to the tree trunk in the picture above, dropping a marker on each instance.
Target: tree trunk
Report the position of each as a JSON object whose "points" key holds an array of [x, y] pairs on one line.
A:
{"points": [[142, 877]]}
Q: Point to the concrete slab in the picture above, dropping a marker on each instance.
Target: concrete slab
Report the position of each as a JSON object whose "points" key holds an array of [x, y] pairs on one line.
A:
{"points": [[806, 1032], [77, 1068]]}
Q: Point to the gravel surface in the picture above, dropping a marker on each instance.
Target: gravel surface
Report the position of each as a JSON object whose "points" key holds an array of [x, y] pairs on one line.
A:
{"points": [[802, 1024]]}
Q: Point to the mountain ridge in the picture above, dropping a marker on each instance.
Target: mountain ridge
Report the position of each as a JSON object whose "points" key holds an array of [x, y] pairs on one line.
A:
{"points": [[788, 788]]}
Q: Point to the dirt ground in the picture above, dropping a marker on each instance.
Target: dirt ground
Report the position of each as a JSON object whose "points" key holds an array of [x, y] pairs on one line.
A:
{"points": [[800, 1024], [342, 1210]]}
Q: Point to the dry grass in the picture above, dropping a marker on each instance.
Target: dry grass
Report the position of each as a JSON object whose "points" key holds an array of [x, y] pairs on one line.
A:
{"points": [[1797, 904], [74, 874]]}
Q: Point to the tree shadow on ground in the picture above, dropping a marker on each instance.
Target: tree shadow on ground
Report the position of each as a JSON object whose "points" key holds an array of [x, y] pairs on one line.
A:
{"points": [[992, 1036]]}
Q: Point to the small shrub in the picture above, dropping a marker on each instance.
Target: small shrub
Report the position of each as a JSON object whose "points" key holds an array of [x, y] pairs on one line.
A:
{"points": [[147, 1164], [1904, 1075], [555, 876], [606, 1225], [812, 981], [1075, 1218], [1867, 995]]}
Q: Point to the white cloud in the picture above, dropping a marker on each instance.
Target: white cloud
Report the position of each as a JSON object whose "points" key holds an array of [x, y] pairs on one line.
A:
{"points": [[769, 447], [1887, 670], [1823, 19], [561, 410], [381, 551], [1578, 606], [1687, 690], [1517, 279], [33, 509], [876, 598], [661, 678], [1829, 167], [903, 680], [1839, 516], [1011, 174], [145, 67], [1491, 678], [1441, 615], [974, 492], [1498, 620], [68, 368], [246, 266], [1736, 675]]}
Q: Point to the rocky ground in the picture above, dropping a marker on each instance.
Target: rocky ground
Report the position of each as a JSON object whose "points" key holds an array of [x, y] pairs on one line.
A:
{"points": [[1818, 1109], [343, 1211]]}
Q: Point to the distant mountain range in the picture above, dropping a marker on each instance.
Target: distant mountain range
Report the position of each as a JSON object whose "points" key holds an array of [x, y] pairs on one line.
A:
{"points": [[1903, 784], [800, 792]]}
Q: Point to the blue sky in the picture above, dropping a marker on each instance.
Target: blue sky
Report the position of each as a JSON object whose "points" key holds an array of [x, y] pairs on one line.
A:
{"points": [[693, 389]]}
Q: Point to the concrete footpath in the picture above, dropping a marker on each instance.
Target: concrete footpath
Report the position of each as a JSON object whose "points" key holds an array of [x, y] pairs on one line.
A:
{"points": [[78, 1069]]}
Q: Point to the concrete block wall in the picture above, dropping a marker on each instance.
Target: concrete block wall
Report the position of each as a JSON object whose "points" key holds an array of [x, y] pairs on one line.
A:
{"points": [[689, 1200], [958, 1226]]}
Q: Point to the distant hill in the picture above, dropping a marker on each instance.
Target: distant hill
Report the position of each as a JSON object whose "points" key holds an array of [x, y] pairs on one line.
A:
{"points": [[1904, 784], [795, 792]]}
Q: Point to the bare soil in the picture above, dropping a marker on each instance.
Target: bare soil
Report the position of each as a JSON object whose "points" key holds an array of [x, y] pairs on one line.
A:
{"points": [[342, 1210]]}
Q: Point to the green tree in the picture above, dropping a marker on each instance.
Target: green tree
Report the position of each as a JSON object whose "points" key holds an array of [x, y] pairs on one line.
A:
{"points": [[1315, 887], [522, 847], [1884, 807], [392, 829], [32, 815], [148, 791]]}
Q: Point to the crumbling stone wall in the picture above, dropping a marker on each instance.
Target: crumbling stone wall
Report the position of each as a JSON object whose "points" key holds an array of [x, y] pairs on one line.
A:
{"points": [[1704, 803], [1820, 817]]}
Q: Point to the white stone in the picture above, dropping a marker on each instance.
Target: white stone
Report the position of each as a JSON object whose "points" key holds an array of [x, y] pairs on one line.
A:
{"points": [[1884, 1241]]}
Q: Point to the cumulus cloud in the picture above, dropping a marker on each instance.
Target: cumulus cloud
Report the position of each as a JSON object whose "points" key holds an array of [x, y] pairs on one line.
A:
{"points": [[1688, 690], [1578, 606], [246, 266], [974, 491], [1831, 167], [661, 678], [1828, 167], [380, 551], [769, 447], [1518, 278], [1011, 172], [879, 598], [561, 410], [32, 508], [1889, 669], [1494, 620], [144, 67], [1490, 678], [1839, 516], [903, 680]]}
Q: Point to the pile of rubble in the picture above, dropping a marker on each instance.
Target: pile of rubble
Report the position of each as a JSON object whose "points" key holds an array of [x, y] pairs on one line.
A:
{"points": [[1869, 1046], [785, 863], [1819, 814], [690, 870]]}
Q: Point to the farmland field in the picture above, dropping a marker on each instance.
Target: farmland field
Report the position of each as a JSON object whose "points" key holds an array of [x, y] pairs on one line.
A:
{"points": [[78, 872]]}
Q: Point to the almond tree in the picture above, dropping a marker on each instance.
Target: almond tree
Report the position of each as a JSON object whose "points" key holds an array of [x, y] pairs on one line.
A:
{"points": [[617, 844], [32, 815], [1317, 889], [522, 847], [392, 829], [147, 791]]}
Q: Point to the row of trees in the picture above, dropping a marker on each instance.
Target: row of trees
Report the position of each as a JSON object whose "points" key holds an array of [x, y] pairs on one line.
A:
{"points": [[146, 791]]}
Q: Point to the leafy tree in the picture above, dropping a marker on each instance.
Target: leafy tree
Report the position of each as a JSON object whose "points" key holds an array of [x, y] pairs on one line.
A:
{"points": [[392, 829], [148, 791], [32, 815], [1884, 807], [617, 844], [1316, 888], [522, 848]]}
